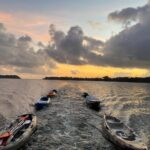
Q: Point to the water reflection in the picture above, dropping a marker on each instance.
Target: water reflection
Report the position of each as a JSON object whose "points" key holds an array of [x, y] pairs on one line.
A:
{"points": [[128, 101]]}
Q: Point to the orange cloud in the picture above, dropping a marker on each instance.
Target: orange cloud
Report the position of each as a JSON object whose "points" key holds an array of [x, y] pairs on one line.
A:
{"points": [[80, 71], [5, 17], [34, 26], [96, 71]]}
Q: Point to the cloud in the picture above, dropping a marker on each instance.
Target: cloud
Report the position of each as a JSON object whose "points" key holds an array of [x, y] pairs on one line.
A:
{"points": [[128, 15], [95, 24], [74, 72], [2, 28], [18, 52], [131, 47], [25, 38], [128, 49], [125, 15], [72, 48]]}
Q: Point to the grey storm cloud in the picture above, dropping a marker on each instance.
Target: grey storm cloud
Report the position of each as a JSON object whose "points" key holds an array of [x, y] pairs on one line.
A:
{"points": [[129, 14], [17, 52], [124, 15], [72, 48], [25, 38], [2, 28], [131, 47]]}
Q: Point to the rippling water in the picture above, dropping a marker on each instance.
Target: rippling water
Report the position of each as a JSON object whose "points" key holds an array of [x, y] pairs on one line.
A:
{"points": [[68, 122]]}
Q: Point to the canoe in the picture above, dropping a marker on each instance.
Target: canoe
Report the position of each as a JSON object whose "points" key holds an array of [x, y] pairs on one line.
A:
{"points": [[52, 93], [42, 102], [91, 101], [18, 132], [121, 135]]}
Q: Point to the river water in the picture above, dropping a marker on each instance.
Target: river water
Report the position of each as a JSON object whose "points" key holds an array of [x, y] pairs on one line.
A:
{"points": [[68, 124]]}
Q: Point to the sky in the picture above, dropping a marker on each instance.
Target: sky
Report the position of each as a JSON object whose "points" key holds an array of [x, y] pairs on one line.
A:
{"points": [[81, 38]]}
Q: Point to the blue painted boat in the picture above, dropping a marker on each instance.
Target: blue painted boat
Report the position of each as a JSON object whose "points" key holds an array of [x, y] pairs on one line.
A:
{"points": [[42, 102]]}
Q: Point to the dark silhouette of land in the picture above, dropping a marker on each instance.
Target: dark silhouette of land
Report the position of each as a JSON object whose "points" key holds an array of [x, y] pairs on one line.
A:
{"points": [[106, 78], [9, 77]]}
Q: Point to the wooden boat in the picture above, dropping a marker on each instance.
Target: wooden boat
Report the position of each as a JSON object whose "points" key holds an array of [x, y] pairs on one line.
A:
{"points": [[121, 135], [42, 102], [18, 132], [52, 93], [92, 101]]}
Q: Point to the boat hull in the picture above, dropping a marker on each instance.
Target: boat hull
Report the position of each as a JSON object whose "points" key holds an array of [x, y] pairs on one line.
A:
{"points": [[119, 143], [93, 105], [24, 138], [39, 106]]}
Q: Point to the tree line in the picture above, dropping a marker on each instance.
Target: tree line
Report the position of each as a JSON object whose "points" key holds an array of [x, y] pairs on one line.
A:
{"points": [[9, 77], [105, 78]]}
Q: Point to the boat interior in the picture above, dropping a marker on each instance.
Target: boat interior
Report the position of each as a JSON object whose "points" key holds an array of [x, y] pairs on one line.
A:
{"points": [[121, 130]]}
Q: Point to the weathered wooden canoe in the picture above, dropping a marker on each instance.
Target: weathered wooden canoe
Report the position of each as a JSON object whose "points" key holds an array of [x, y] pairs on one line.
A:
{"points": [[18, 132], [121, 135]]}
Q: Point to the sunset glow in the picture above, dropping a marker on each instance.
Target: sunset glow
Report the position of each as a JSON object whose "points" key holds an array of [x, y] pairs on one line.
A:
{"points": [[79, 39]]}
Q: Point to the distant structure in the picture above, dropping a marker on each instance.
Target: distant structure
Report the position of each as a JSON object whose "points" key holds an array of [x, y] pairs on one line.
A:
{"points": [[105, 78], [9, 77]]}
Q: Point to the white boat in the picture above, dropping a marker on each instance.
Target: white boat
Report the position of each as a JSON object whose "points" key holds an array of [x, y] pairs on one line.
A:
{"points": [[121, 135]]}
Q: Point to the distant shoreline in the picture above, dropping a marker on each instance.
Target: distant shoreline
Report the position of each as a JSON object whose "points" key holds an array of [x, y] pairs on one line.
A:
{"points": [[9, 77], [106, 78]]}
